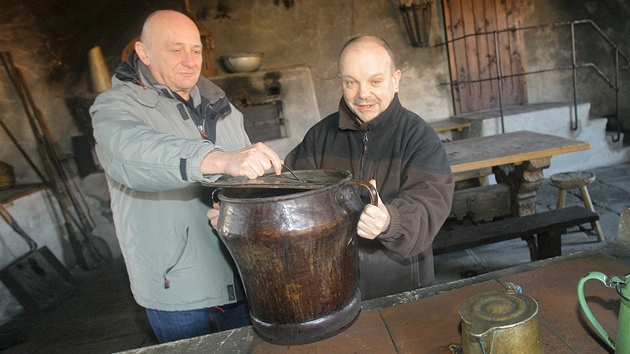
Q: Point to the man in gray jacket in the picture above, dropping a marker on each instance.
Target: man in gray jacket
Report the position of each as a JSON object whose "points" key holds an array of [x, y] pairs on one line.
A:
{"points": [[160, 130]]}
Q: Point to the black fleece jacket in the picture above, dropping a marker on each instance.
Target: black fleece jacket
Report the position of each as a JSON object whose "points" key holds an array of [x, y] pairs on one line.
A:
{"points": [[406, 158]]}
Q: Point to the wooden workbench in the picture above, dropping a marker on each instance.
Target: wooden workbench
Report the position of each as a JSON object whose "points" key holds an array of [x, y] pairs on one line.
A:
{"points": [[516, 159], [427, 321]]}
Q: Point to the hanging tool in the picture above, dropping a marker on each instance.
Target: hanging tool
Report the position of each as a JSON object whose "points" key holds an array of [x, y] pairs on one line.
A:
{"points": [[91, 251]]}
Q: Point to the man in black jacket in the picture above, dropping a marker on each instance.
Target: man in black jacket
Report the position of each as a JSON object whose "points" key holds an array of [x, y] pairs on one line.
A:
{"points": [[378, 140]]}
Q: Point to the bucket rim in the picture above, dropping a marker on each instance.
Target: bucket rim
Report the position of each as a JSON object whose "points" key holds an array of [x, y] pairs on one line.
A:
{"points": [[314, 178]]}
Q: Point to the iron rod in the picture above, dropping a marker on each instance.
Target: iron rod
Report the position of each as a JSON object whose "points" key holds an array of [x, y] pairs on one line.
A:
{"points": [[617, 81], [574, 126], [498, 63]]}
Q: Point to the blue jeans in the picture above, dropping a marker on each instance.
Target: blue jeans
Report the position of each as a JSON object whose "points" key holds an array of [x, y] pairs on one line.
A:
{"points": [[170, 326]]}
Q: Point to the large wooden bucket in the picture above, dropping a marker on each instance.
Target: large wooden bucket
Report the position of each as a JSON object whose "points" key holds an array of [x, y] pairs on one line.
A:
{"points": [[296, 251]]}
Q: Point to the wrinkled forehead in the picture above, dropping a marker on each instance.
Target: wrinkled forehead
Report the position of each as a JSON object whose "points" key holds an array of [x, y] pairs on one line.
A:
{"points": [[365, 61]]}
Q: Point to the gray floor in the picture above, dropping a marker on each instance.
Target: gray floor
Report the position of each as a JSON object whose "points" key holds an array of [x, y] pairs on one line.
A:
{"points": [[101, 316]]}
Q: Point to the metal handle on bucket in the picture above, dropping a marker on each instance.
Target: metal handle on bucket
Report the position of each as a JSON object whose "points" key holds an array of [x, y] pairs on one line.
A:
{"points": [[215, 195], [607, 281], [373, 192]]}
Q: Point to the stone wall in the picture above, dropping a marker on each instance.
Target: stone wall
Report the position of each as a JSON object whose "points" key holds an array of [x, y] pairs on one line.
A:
{"points": [[30, 53], [551, 48], [50, 40]]}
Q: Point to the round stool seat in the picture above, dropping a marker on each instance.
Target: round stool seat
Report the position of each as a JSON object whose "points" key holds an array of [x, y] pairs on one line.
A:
{"points": [[579, 179], [569, 180]]}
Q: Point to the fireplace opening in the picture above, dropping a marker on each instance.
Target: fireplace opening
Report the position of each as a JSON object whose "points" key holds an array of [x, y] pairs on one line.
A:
{"points": [[258, 97], [264, 121]]}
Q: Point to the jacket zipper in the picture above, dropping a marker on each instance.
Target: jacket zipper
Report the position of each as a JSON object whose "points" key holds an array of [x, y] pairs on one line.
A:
{"points": [[363, 153], [167, 282], [173, 260]]}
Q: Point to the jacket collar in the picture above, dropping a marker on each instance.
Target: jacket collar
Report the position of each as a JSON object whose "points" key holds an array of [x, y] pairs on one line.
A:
{"points": [[349, 121]]}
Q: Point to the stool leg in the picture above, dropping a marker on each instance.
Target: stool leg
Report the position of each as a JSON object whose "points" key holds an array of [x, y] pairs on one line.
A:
{"points": [[562, 197], [588, 203]]}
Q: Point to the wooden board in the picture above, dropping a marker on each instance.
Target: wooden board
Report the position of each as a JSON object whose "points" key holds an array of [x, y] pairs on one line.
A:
{"points": [[476, 61], [38, 280], [482, 203], [511, 228], [7, 196], [510, 148], [445, 125]]}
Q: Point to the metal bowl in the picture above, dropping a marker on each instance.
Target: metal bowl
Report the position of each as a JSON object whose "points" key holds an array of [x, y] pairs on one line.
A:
{"points": [[242, 62]]}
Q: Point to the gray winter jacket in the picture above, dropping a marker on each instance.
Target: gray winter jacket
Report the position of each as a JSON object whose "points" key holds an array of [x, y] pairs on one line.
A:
{"points": [[151, 150]]}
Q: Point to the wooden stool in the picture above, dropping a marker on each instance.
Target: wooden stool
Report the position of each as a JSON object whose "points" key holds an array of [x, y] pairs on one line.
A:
{"points": [[570, 180]]}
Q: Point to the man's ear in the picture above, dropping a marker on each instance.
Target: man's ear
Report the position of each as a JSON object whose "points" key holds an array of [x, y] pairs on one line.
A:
{"points": [[396, 80], [141, 50]]}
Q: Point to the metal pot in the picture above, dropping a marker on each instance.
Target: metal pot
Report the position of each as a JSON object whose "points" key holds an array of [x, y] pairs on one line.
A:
{"points": [[242, 62], [619, 283], [500, 322], [296, 251]]}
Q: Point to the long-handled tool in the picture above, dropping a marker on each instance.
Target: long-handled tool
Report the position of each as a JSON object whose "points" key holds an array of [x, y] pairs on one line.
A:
{"points": [[74, 242], [22, 151], [100, 247], [91, 251]]}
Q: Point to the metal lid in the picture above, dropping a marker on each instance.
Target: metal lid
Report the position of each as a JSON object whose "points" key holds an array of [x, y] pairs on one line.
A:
{"points": [[620, 284], [299, 179], [487, 312]]}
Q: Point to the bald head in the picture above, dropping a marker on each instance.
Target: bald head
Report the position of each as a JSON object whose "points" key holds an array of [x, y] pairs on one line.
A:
{"points": [[162, 22], [363, 43], [368, 75], [170, 46]]}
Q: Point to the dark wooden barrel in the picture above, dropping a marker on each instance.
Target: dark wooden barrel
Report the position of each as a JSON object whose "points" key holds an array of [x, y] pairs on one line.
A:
{"points": [[296, 251]]}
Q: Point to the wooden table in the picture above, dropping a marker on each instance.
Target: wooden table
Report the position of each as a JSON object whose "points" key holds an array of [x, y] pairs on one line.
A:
{"points": [[427, 321], [517, 159]]}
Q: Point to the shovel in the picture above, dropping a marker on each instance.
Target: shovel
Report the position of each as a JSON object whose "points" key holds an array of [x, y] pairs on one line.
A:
{"points": [[37, 279]]}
